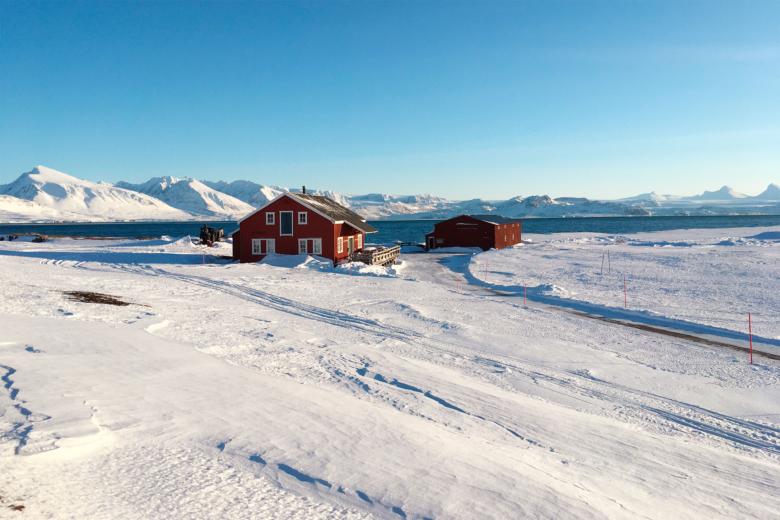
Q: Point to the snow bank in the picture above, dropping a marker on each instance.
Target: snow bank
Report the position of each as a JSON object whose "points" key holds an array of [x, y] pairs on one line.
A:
{"points": [[297, 262]]}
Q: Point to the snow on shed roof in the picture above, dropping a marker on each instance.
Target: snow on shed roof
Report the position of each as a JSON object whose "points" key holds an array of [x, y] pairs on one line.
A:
{"points": [[495, 219], [334, 210]]}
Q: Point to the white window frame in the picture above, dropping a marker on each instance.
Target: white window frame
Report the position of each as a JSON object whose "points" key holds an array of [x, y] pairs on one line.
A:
{"points": [[303, 246], [316, 246], [360, 241], [305, 219], [257, 246], [292, 224], [340, 242], [272, 220]]}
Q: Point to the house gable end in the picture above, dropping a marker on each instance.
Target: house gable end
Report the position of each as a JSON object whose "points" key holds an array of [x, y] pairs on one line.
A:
{"points": [[265, 206]]}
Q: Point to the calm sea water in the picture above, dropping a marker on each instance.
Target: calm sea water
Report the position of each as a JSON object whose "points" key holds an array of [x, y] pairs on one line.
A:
{"points": [[409, 230]]}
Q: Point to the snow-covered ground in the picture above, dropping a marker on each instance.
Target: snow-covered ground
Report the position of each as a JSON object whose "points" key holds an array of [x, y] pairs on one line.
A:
{"points": [[710, 277], [291, 389]]}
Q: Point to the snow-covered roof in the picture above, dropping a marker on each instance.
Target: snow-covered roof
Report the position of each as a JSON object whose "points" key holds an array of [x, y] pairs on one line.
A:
{"points": [[494, 219], [333, 210]]}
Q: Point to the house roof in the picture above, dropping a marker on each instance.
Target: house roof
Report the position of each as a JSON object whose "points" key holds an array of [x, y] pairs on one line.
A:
{"points": [[495, 219], [333, 210]]}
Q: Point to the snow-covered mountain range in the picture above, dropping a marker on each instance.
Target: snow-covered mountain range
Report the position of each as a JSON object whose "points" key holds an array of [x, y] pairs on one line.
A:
{"points": [[44, 194], [63, 197], [191, 196]]}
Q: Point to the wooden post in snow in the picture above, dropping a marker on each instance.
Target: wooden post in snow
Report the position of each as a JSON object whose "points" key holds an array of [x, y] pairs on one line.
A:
{"points": [[625, 294], [750, 335]]}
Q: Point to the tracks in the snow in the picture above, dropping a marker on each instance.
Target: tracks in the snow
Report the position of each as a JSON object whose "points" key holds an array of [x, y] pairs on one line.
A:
{"points": [[673, 334], [676, 414]]}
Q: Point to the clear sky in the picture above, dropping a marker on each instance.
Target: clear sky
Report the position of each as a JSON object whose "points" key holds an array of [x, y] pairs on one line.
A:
{"points": [[458, 99]]}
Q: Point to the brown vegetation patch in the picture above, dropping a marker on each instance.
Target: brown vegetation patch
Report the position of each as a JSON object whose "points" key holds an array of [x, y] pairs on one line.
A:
{"points": [[12, 507], [93, 297]]}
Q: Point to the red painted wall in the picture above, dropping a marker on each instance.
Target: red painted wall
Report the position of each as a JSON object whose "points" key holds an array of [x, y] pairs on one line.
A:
{"points": [[465, 231], [317, 226], [507, 235]]}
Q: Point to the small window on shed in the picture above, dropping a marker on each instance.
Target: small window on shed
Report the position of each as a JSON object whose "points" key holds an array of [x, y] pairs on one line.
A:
{"points": [[359, 241], [439, 240], [269, 218], [256, 246], [340, 243], [302, 246], [317, 246], [302, 217]]}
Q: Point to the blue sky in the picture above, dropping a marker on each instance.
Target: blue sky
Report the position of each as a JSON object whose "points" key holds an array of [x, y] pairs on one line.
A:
{"points": [[458, 99]]}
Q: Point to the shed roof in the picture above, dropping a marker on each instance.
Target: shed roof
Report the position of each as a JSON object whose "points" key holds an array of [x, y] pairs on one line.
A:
{"points": [[333, 210], [495, 219]]}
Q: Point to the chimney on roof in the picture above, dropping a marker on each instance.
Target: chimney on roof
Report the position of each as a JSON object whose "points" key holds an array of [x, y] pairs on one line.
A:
{"points": [[304, 190]]}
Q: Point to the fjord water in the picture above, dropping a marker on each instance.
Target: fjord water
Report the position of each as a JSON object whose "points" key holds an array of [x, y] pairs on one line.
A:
{"points": [[407, 230]]}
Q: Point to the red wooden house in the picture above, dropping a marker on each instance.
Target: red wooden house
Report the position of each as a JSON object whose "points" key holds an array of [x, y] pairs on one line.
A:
{"points": [[300, 224], [485, 231]]}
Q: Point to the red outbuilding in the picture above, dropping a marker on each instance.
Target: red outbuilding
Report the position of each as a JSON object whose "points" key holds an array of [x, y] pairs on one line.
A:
{"points": [[300, 224], [484, 231]]}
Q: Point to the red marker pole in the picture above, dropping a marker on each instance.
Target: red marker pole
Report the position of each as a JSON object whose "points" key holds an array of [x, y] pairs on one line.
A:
{"points": [[525, 294], [204, 258], [750, 334], [625, 294]]}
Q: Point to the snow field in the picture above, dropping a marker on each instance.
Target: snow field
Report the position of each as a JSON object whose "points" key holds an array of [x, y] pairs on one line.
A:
{"points": [[261, 391], [708, 277]]}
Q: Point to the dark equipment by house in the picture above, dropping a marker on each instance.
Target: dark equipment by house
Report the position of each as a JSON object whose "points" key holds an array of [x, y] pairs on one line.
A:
{"points": [[209, 235]]}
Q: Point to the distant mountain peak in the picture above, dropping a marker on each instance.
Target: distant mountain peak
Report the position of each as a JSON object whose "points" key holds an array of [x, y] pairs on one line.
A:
{"points": [[772, 192], [725, 193]]}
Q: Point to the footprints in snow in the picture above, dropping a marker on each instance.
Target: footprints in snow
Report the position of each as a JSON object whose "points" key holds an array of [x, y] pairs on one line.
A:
{"points": [[21, 430], [302, 477], [316, 482]]}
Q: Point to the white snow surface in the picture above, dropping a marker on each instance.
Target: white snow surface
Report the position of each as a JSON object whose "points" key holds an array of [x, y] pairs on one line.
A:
{"points": [[63, 196], [706, 280], [292, 389], [13, 209]]}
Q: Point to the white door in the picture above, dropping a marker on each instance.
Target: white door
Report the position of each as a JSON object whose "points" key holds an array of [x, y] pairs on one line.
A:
{"points": [[351, 245]]}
